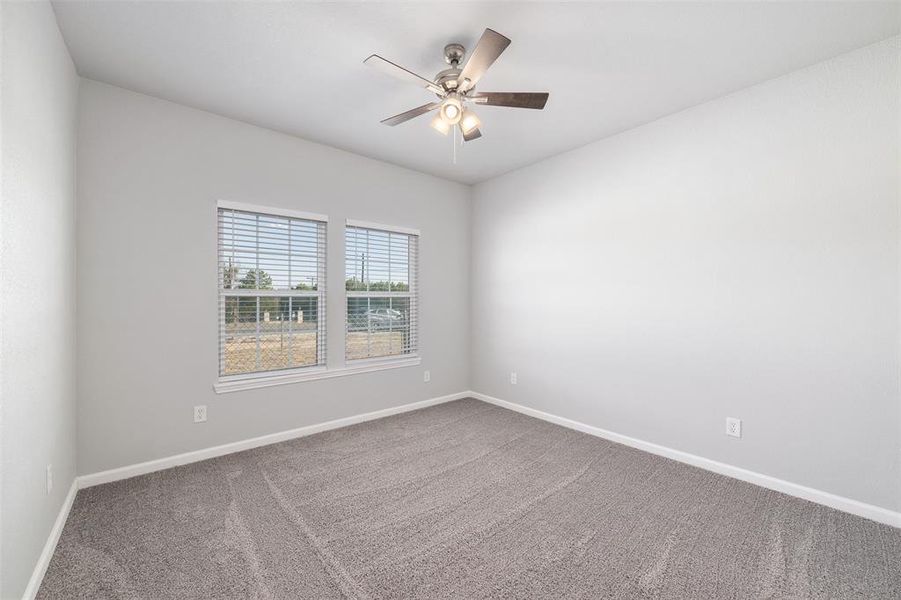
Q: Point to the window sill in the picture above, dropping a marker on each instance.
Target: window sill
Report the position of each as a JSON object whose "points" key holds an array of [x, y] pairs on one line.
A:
{"points": [[314, 373]]}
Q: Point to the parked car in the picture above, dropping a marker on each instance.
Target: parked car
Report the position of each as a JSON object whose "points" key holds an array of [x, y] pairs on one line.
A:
{"points": [[385, 316]]}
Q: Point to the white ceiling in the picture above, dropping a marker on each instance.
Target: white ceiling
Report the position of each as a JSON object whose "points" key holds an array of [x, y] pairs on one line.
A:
{"points": [[298, 67]]}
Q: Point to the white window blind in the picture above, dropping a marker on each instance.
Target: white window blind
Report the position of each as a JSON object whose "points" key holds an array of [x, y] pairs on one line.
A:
{"points": [[271, 292], [381, 283]]}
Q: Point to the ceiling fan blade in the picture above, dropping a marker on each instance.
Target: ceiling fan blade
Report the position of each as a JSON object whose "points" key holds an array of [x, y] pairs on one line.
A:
{"points": [[389, 68], [473, 134], [410, 114], [489, 47], [535, 100]]}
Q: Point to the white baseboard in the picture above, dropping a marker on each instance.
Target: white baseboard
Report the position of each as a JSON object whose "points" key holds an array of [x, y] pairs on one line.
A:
{"points": [[855, 507], [37, 576], [85, 481]]}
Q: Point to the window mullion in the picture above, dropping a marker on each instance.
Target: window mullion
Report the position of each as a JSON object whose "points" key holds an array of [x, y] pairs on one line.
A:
{"points": [[290, 329], [367, 273], [321, 287], [257, 362], [290, 255]]}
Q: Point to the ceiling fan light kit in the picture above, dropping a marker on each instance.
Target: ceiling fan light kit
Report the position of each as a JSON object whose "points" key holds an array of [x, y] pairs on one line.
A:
{"points": [[455, 87], [469, 121], [452, 108], [440, 125]]}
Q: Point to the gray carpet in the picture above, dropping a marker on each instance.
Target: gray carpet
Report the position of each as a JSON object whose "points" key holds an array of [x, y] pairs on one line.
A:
{"points": [[461, 500]]}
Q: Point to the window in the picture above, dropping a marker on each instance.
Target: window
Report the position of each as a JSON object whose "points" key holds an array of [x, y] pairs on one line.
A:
{"points": [[271, 290], [380, 279]]}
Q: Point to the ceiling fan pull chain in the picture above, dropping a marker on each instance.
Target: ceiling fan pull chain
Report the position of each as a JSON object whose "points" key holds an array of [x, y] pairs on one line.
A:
{"points": [[455, 145]]}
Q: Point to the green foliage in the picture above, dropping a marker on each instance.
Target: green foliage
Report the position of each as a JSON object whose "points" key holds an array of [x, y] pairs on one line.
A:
{"points": [[249, 281], [245, 308], [356, 285]]}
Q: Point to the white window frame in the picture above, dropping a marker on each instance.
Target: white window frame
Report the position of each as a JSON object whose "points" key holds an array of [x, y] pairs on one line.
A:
{"points": [[412, 294], [263, 378], [249, 381]]}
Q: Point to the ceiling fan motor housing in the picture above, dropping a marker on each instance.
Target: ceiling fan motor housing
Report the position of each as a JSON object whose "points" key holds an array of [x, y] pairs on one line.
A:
{"points": [[454, 53], [449, 79]]}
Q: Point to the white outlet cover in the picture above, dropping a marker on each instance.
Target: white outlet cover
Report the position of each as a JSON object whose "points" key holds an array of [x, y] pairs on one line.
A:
{"points": [[200, 413], [733, 427], [426, 376], [49, 478], [513, 378]]}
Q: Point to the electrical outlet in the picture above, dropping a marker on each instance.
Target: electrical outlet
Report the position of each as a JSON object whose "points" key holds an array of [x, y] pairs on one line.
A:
{"points": [[49, 478], [733, 427], [200, 413], [426, 376], [513, 378]]}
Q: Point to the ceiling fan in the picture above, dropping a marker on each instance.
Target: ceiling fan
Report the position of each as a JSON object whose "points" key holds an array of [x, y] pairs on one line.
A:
{"points": [[455, 87]]}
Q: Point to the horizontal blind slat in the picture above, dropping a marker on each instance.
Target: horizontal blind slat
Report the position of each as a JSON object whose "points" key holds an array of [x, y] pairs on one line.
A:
{"points": [[265, 323], [381, 285]]}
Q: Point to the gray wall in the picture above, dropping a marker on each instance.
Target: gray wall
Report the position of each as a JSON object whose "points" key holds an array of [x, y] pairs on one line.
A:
{"points": [[149, 175], [37, 283], [740, 258]]}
